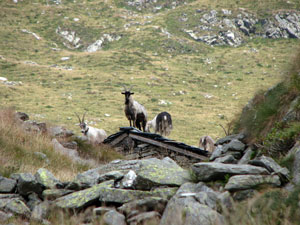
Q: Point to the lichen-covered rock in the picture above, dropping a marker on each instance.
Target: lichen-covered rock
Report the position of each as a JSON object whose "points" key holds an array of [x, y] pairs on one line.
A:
{"points": [[81, 199], [28, 184], [113, 217], [33, 200], [154, 173], [164, 192], [215, 171], [47, 179], [17, 207], [7, 185], [242, 182], [52, 194]]}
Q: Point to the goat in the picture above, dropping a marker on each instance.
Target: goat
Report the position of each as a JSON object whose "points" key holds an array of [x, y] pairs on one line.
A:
{"points": [[207, 143], [94, 135], [134, 111], [162, 123]]}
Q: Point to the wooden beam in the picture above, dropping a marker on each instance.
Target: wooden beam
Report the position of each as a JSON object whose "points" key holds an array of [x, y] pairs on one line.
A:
{"points": [[170, 147], [118, 139]]}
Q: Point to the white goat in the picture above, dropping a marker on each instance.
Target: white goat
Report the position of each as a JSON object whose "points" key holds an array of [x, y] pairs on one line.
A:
{"points": [[162, 123], [94, 135], [207, 143], [134, 111]]}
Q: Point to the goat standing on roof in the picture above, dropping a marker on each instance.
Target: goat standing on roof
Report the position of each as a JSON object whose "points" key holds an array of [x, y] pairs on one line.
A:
{"points": [[162, 123], [207, 143], [134, 111], [94, 135]]}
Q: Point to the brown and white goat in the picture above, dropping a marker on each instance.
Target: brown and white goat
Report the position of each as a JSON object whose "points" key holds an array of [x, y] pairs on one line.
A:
{"points": [[162, 124], [134, 111], [94, 135], [207, 143]]}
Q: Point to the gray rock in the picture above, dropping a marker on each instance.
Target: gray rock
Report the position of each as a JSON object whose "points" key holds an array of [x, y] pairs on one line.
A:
{"points": [[229, 138], [7, 185], [145, 218], [33, 126], [28, 184], [100, 211], [246, 157], [52, 194], [176, 212], [229, 159], [47, 179], [295, 152], [235, 145], [129, 180], [215, 171], [70, 145], [208, 198], [113, 217], [144, 205], [242, 182], [219, 151], [33, 200], [17, 207], [61, 132], [41, 211], [154, 173], [113, 175], [272, 167]]}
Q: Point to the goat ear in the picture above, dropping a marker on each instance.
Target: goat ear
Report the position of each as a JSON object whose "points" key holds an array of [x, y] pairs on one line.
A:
{"points": [[123, 93], [131, 93]]}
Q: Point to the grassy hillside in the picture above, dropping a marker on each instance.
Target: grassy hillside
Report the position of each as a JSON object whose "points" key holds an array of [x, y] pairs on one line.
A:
{"points": [[202, 86]]}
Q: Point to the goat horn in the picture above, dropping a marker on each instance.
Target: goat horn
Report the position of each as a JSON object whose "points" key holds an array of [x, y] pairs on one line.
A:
{"points": [[125, 89], [78, 117], [130, 88], [83, 116]]}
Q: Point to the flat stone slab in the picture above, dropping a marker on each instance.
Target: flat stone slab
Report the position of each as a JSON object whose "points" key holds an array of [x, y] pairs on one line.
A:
{"points": [[214, 171], [243, 182]]}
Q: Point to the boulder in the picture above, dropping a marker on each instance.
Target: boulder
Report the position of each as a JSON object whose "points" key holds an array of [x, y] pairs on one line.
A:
{"points": [[226, 201], [227, 159], [296, 163], [16, 206], [209, 199], [271, 166], [22, 116], [246, 157], [81, 199], [218, 152], [187, 210], [28, 184], [7, 185], [113, 217], [234, 145], [229, 138], [244, 194], [154, 173], [150, 173], [242, 182], [47, 179], [215, 171]]}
